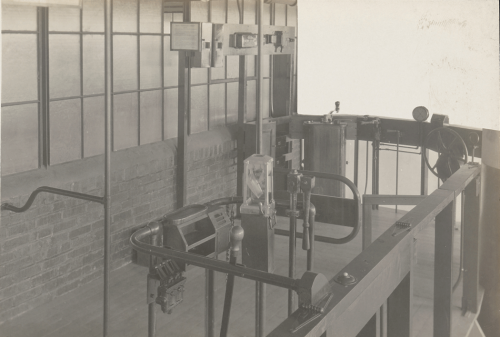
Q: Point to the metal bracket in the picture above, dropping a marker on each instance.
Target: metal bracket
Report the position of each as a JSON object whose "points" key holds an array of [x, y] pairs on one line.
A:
{"points": [[400, 227]]}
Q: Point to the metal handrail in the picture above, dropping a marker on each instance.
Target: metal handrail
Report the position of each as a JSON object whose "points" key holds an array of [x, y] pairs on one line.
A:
{"points": [[53, 190], [356, 197]]}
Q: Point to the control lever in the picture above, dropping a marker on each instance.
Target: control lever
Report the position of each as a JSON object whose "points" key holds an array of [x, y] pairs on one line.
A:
{"points": [[236, 236], [171, 288], [306, 184]]}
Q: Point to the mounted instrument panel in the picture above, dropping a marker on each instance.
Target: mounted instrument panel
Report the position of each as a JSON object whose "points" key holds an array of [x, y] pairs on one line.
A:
{"points": [[209, 43]]}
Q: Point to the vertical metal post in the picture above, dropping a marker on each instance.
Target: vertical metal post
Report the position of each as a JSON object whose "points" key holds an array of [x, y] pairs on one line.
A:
{"points": [[397, 169], [107, 159], [292, 242], [423, 168], [209, 303], [151, 305], [260, 309], [367, 225], [470, 248], [183, 111], [356, 161], [242, 104], [310, 252], [260, 37], [443, 262]]}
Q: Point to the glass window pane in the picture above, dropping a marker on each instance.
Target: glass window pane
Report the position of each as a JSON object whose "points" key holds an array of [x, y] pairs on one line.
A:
{"points": [[171, 64], [218, 12], [18, 17], [199, 75], [65, 131], [151, 116], [199, 111], [125, 16], [93, 16], [64, 65], [291, 16], [280, 14], [150, 62], [251, 65], [249, 17], [265, 65], [199, 11], [19, 138], [232, 103], [167, 18], [93, 126], [266, 17], [232, 12], [218, 73], [125, 121], [171, 112], [93, 64], [251, 100], [124, 63], [265, 98], [150, 12], [64, 19], [233, 66], [217, 105], [19, 68]]}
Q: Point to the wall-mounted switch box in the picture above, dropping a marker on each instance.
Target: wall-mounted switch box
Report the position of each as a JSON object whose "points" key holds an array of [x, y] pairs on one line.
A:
{"points": [[195, 37]]}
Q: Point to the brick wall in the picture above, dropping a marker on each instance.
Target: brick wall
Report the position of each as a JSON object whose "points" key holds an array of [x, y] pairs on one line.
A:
{"points": [[57, 245]]}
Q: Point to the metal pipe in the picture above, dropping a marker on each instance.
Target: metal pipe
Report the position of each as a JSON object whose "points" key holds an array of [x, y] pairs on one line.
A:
{"points": [[210, 303], [151, 306], [356, 161], [355, 194], [216, 265], [310, 252], [107, 158], [292, 242], [52, 190], [260, 38], [285, 2], [260, 309]]}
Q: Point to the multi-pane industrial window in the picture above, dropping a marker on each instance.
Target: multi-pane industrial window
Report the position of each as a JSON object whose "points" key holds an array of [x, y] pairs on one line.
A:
{"points": [[53, 79]]}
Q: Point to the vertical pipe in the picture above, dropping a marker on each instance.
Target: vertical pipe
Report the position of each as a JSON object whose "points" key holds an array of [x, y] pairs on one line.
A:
{"points": [[356, 161], [423, 167], [292, 248], [210, 302], [310, 252], [260, 8], [397, 170], [107, 162], [151, 306], [260, 309]]}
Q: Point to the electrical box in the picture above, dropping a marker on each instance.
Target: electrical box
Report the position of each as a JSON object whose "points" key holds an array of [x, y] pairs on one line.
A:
{"points": [[325, 151], [217, 45], [195, 37], [197, 229]]}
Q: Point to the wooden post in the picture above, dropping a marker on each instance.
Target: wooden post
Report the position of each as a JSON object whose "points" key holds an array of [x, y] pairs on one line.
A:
{"points": [[471, 247], [399, 306], [367, 225], [443, 258]]}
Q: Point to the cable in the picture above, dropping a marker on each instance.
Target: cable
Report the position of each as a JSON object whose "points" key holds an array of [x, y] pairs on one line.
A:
{"points": [[239, 11]]}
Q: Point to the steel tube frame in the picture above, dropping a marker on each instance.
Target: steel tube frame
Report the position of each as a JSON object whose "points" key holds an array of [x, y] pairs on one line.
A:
{"points": [[216, 265]]}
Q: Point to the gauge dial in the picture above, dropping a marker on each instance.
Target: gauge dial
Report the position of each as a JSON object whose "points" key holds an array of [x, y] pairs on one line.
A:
{"points": [[420, 113]]}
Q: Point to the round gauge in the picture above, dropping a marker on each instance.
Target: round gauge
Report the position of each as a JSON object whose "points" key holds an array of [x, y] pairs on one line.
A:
{"points": [[474, 138], [420, 113]]}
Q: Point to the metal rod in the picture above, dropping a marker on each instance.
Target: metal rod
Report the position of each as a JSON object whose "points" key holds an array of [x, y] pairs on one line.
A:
{"points": [[151, 306], [260, 308], [292, 248], [107, 161], [216, 265], [310, 252], [227, 300], [260, 38], [210, 303], [397, 169], [52, 190], [356, 161]]}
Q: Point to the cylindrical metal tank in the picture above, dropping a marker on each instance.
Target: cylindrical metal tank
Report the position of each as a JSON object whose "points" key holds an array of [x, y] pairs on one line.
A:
{"points": [[324, 151]]}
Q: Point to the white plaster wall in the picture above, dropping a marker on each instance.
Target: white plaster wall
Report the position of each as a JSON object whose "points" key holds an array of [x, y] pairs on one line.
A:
{"points": [[385, 57]]}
